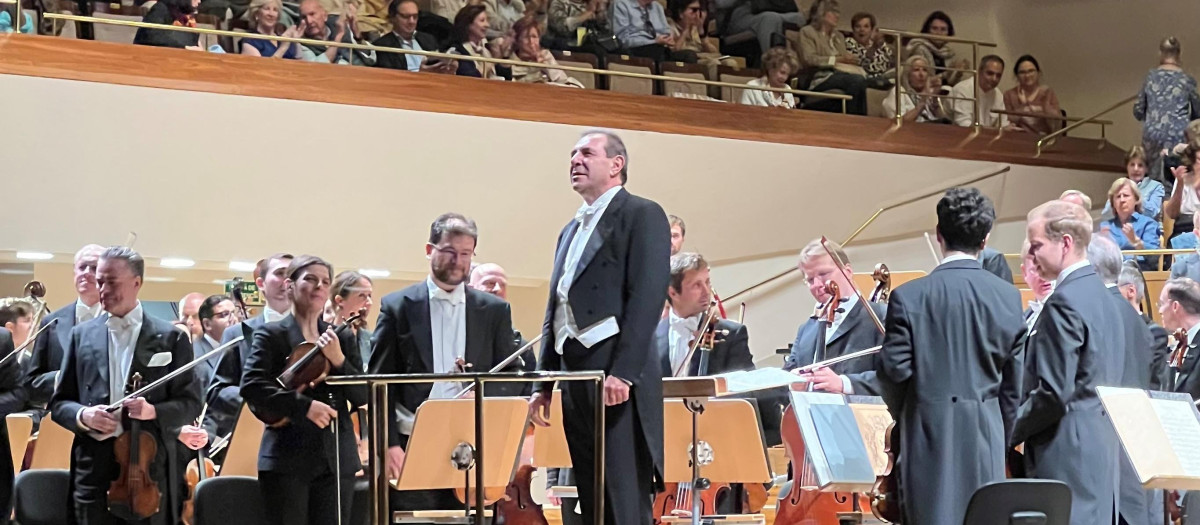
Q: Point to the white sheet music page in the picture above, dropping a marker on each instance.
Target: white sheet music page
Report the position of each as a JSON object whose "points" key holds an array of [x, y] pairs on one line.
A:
{"points": [[761, 379], [1183, 432]]}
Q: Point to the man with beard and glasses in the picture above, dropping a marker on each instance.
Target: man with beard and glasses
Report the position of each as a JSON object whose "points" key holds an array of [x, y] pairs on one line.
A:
{"points": [[424, 329]]}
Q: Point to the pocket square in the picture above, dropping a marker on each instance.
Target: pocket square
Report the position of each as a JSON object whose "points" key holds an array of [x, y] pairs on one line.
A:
{"points": [[160, 359]]}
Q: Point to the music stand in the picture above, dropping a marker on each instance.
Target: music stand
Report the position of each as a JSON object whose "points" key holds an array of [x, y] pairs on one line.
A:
{"points": [[441, 450], [241, 456], [20, 428], [53, 449]]}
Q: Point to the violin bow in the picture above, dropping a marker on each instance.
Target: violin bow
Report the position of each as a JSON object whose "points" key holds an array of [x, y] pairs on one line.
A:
{"points": [[500, 366], [141, 392], [29, 341], [841, 266]]}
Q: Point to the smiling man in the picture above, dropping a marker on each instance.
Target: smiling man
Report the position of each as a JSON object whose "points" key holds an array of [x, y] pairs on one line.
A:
{"points": [[991, 70], [49, 348]]}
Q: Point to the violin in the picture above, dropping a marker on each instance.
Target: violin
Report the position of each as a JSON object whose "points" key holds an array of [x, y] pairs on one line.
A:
{"points": [[516, 505], [134, 495], [306, 368], [1180, 351], [883, 284], [804, 503], [199, 469], [885, 495]]}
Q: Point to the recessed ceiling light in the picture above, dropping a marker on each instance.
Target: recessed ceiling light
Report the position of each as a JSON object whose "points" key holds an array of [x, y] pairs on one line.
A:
{"points": [[374, 273], [221, 282], [241, 266], [176, 262], [15, 271], [35, 256], [160, 279]]}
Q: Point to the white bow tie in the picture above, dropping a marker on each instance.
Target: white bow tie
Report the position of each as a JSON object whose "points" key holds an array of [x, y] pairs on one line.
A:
{"points": [[691, 324], [119, 324], [450, 297], [585, 214]]}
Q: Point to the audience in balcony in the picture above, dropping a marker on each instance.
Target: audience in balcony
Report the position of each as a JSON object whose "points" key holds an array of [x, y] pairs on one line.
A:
{"points": [[1151, 190], [688, 19], [1184, 200], [938, 52], [1165, 104], [767, 19], [1030, 96], [917, 103], [502, 14], [403, 15], [580, 24], [778, 64], [264, 15], [449, 9], [1129, 227], [317, 25], [875, 55], [823, 49], [6, 25], [529, 49], [641, 27], [172, 13], [470, 39], [962, 107]]}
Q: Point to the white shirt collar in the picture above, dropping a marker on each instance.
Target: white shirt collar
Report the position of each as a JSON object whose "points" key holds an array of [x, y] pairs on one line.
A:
{"points": [[457, 296], [957, 256], [1069, 270], [691, 324], [131, 320], [91, 311], [270, 315], [598, 206], [211, 341], [1191, 333]]}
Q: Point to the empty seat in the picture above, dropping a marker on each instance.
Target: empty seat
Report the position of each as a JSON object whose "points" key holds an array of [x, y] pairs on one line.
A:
{"points": [[225, 500], [579, 59], [112, 32], [684, 70], [1020, 501], [626, 63], [735, 76]]}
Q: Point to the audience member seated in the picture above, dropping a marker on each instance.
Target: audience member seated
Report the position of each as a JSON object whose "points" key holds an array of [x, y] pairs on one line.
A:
{"points": [[779, 64], [875, 55], [449, 9], [470, 39], [316, 25], [1152, 191], [580, 24], [404, 35], [6, 25], [823, 48], [938, 52], [1184, 200], [529, 49], [1187, 264], [1030, 96], [264, 14], [641, 27], [502, 14], [765, 18], [1165, 104], [687, 22], [1129, 228], [172, 13], [916, 89], [991, 70]]}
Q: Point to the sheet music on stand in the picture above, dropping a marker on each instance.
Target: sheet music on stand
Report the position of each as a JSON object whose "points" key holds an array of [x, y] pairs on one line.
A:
{"points": [[833, 442], [1161, 434], [744, 381]]}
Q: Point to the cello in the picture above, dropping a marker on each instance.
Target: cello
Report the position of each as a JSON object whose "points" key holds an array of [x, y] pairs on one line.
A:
{"points": [[804, 503]]}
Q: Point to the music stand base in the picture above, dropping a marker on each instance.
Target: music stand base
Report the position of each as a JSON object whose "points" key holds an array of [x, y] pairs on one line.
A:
{"points": [[850, 518]]}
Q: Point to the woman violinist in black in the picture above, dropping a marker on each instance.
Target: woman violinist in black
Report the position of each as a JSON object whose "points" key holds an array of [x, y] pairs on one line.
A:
{"points": [[299, 456]]}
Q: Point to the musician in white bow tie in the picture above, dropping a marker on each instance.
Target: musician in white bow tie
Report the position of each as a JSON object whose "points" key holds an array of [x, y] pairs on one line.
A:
{"points": [[426, 328], [690, 295]]}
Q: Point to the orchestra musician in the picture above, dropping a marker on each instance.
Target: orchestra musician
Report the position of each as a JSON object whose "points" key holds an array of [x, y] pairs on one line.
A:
{"points": [[102, 354], [948, 370], [1070, 351], [491, 278], [852, 329], [215, 314], [607, 290], [298, 461], [189, 314], [223, 392], [46, 360], [1135, 350], [352, 291], [426, 328], [1132, 285], [690, 296], [17, 317], [1040, 287], [12, 399], [678, 233], [1179, 306]]}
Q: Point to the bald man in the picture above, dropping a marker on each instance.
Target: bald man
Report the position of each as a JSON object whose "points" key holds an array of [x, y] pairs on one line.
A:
{"points": [[189, 314], [491, 278]]}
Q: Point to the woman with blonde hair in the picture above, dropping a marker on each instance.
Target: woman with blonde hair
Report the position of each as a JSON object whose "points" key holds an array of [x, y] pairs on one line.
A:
{"points": [[917, 100], [264, 14], [1128, 227], [779, 64], [1152, 191]]}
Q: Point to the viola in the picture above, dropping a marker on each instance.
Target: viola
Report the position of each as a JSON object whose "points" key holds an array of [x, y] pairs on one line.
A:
{"points": [[885, 496], [306, 368], [134, 495]]}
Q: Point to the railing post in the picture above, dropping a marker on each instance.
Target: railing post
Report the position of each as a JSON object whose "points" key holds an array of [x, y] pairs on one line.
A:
{"points": [[975, 64], [899, 82]]}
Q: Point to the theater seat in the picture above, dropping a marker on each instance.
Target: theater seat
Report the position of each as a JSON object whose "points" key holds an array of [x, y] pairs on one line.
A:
{"points": [[40, 497], [225, 500]]}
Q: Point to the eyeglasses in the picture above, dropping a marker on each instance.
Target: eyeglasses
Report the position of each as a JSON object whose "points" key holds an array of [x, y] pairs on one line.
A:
{"points": [[447, 251], [222, 315]]}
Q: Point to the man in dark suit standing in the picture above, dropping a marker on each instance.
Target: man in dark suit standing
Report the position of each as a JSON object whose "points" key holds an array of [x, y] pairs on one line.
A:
{"points": [[403, 15], [102, 355], [13, 397], [948, 369], [425, 328], [610, 278], [1133, 288], [993, 261], [852, 330], [1061, 421], [224, 391], [690, 294], [1132, 360], [41, 370]]}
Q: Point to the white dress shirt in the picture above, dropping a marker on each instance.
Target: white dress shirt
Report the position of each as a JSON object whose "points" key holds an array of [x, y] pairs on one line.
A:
{"points": [[448, 327], [682, 332], [1067, 272], [212, 342], [838, 317], [85, 313], [1035, 309], [958, 256], [963, 111], [123, 334], [270, 316], [564, 319]]}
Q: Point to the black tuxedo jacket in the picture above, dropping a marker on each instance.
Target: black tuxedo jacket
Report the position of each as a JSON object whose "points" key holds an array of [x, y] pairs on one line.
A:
{"points": [[223, 392], [294, 447], [12, 399], [397, 60], [1136, 350], [47, 355], [993, 261], [1160, 352], [729, 355], [1187, 380], [404, 344], [857, 332], [84, 383], [623, 272]]}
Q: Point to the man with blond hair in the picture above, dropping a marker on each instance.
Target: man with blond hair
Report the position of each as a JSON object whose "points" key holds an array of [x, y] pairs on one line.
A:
{"points": [[1068, 354]]}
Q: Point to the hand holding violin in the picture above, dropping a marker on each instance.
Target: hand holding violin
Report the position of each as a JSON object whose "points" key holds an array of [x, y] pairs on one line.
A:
{"points": [[332, 348], [824, 380], [139, 409]]}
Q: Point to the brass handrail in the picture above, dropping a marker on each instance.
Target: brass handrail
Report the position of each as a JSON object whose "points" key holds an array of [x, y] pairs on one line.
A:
{"points": [[1049, 139], [434, 54], [927, 36], [1161, 251], [881, 211], [1052, 117]]}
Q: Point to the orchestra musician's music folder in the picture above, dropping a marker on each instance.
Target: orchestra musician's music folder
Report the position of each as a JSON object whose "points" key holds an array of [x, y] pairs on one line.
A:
{"points": [[1161, 434]]}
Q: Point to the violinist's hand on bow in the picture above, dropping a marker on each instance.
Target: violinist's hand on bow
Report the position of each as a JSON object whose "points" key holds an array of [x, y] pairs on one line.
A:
{"points": [[139, 409], [332, 348], [539, 408], [824, 380], [99, 420]]}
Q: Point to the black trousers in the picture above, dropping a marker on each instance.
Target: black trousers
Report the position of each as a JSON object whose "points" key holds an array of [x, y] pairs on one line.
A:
{"points": [[661, 53], [628, 467], [305, 499], [850, 84]]}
